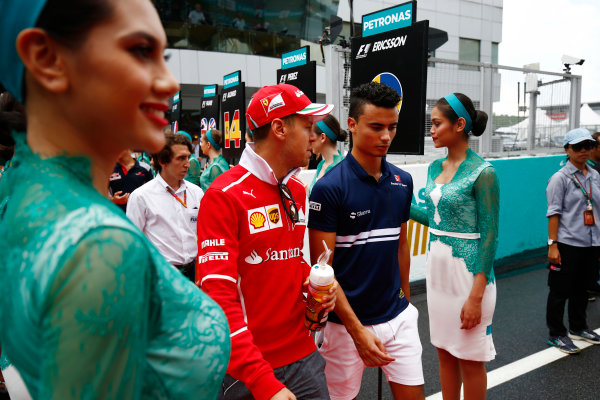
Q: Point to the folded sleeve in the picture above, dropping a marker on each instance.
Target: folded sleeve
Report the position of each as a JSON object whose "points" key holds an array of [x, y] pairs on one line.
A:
{"points": [[555, 194]]}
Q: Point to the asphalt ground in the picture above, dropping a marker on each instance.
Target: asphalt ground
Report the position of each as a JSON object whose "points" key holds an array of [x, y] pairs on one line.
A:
{"points": [[519, 331]]}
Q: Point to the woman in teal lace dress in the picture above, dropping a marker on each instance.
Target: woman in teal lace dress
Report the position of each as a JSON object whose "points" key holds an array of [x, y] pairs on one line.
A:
{"points": [[210, 144], [323, 139], [89, 309], [462, 214]]}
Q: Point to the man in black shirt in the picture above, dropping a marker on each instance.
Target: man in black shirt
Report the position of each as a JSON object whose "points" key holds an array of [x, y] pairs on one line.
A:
{"points": [[128, 175]]}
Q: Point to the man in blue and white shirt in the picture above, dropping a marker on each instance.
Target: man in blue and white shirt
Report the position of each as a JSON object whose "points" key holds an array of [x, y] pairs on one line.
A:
{"points": [[360, 209]]}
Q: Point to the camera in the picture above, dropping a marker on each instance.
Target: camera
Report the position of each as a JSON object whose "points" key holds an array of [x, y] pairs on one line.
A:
{"points": [[567, 61]]}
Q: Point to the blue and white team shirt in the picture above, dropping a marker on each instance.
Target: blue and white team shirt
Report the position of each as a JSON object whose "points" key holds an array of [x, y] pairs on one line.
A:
{"points": [[367, 216]]}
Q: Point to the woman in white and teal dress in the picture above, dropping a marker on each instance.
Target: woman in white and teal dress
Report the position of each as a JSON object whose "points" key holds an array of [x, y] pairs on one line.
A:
{"points": [[462, 197], [211, 144], [323, 139], [89, 308]]}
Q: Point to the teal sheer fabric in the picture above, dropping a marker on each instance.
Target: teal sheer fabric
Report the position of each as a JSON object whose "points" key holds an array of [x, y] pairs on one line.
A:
{"points": [[212, 170], [336, 160], [193, 174], [469, 204], [89, 308]]}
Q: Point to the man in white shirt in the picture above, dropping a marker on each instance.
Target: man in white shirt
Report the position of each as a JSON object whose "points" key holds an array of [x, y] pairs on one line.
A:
{"points": [[166, 208]]}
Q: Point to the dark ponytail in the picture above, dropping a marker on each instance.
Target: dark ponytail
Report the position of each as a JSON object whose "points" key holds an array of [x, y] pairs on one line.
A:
{"points": [[12, 118], [479, 118]]}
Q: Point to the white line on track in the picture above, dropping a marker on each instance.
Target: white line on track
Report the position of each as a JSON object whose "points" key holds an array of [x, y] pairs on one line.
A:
{"points": [[522, 366]]}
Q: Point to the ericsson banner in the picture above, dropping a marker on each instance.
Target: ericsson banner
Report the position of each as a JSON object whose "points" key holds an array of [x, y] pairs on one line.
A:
{"points": [[209, 109], [298, 70], [397, 58], [233, 111]]}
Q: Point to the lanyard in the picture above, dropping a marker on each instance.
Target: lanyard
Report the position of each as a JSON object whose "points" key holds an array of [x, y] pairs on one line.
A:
{"points": [[580, 186], [184, 202]]}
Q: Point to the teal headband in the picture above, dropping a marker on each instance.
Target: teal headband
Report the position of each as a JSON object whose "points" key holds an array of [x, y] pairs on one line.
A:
{"points": [[184, 133], [15, 16], [327, 130], [460, 110], [212, 141]]}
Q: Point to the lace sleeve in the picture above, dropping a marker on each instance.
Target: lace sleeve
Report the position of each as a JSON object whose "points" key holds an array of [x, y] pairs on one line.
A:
{"points": [[419, 214], [193, 174], [487, 196], [209, 175], [95, 319]]}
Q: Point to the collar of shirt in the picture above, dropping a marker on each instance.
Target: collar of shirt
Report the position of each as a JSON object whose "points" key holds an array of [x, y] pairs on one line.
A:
{"points": [[363, 175], [163, 183], [258, 167], [569, 168]]}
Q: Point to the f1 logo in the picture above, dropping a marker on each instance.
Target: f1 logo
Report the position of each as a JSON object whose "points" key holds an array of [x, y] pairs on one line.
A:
{"points": [[363, 50], [282, 79]]}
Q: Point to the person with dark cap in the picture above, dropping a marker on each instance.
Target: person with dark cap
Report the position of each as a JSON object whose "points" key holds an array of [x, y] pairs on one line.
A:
{"points": [[89, 308], [573, 242], [251, 228]]}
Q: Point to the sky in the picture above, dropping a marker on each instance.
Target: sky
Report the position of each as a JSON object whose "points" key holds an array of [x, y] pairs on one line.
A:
{"points": [[543, 30]]}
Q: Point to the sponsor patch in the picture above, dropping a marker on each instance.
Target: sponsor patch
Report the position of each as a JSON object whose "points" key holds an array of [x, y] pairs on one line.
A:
{"points": [[115, 176], [313, 205], [213, 242], [299, 93], [397, 177], [276, 103], [213, 256], [264, 218]]}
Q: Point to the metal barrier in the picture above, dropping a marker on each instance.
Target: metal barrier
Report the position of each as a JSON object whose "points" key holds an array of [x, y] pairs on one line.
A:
{"points": [[529, 111]]}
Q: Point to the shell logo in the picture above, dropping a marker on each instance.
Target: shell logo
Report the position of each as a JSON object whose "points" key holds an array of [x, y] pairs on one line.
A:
{"points": [[257, 220]]}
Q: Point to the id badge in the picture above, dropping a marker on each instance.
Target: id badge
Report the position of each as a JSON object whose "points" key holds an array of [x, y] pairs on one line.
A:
{"points": [[588, 217]]}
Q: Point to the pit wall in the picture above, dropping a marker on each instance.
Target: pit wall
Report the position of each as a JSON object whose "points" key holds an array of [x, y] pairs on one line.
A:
{"points": [[523, 223]]}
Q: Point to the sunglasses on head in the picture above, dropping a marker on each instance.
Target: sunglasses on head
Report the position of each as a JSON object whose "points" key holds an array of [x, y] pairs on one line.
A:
{"points": [[289, 205], [585, 145]]}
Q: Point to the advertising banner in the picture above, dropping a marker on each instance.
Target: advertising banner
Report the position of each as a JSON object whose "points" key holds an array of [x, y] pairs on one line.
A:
{"points": [[209, 109], [175, 112], [398, 59], [298, 70], [233, 110], [389, 19]]}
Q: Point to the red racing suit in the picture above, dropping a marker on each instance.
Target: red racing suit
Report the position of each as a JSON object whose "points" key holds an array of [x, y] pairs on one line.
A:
{"points": [[250, 262]]}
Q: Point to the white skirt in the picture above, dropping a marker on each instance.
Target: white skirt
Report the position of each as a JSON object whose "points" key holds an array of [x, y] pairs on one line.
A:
{"points": [[449, 283]]}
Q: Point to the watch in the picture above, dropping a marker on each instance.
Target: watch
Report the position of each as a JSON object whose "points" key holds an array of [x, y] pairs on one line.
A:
{"points": [[551, 242]]}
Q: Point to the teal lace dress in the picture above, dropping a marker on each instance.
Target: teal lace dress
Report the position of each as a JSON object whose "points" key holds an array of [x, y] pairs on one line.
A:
{"points": [[89, 309], [212, 171], [193, 174], [462, 216], [336, 160]]}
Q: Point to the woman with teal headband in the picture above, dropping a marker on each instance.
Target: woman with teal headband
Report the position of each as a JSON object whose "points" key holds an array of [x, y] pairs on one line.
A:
{"points": [[210, 144], [462, 198], [89, 307], [323, 139], [195, 170]]}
